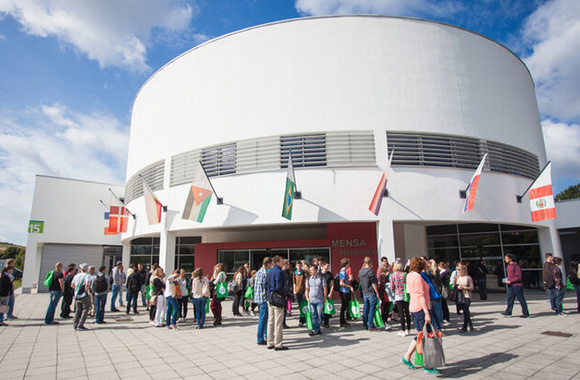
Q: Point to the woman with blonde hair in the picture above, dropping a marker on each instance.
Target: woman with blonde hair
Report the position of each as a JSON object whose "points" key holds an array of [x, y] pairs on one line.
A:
{"points": [[200, 293], [464, 284], [398, 287], [158, 299], [239, 277]]}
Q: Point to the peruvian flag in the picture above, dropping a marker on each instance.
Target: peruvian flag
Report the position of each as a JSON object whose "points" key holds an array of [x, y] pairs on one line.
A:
{"points": [[377, 200], [472, 188], [153, 206], [542, 197]]}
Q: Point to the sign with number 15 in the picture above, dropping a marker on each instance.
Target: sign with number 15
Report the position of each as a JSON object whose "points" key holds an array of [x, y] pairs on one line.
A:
{"points": [[36, 227]]}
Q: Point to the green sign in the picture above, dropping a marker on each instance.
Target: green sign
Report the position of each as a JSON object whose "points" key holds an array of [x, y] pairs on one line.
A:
{"points": [[36, 227]]}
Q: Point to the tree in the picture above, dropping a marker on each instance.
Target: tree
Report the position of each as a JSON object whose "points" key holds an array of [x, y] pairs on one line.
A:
{"points": [[572, 192], [15, 253]]}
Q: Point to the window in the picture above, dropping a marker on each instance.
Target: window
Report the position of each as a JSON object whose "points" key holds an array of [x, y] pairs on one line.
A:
{"points": [[220, 160], [145, 251], [306, 151], [185, 252]]}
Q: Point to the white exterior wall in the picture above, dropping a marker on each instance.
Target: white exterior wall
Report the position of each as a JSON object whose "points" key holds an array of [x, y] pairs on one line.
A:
{"points": [[338, 74], [568, 214], [72, 214]]}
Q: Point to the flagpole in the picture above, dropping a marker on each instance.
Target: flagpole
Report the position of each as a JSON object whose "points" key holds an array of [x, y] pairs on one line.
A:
{"points": [[297, 194], [122, 203], [164, 208], [106, 207], [520, 197], [219, 200]]}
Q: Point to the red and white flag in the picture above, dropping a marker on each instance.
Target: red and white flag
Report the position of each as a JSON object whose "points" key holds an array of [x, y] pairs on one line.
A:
{"points": [[541, 196], [377, 200], [116, 220], [472, 188], [152, 205]]}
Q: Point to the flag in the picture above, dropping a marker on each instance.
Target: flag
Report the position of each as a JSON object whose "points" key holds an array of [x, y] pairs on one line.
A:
{"points": [[116, 220], [199, 196], [542, 197], [472, 187], [289, 192], [377, 200], [152, 205]]}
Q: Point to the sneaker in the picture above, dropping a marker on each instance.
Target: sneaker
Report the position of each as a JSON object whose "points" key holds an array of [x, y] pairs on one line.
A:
{"points": [[262, 343], [173, 327], [401, 333], [3, 324], [12, 317], [525, 316], [462, 330], [280, 348], [311, 333], [408, 363], [82, 328], [51, 323], [388, 327], [408, 332], [252, 314], [563, 314], [301, 324], [506, 314], [372, 329], [431, 370]]}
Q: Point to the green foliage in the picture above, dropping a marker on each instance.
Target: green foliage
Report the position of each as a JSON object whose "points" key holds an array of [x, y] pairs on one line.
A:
{"points": [[571, 192], [16, 253]]}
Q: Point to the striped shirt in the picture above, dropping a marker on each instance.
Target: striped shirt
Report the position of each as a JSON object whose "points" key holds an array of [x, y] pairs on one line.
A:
{"points": [[260, 281]]}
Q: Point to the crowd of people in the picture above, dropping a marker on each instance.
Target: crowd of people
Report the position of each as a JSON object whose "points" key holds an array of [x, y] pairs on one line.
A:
{"points": [[414, 294]]}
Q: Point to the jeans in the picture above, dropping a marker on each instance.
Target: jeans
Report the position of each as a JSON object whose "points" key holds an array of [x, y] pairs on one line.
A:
{"points": [[263, 322], [482, 288], [100, 302], [344, 300], [172, 311], [54, 298], [370, 304], [199, 308], [143, 295], [236, 303], [132, 300], [316, 309], [553, 293], [115, 293], [436, 313], [3, 302], [466, 314], [299, 298], [559, 299], [516, 291], [11, 299]]}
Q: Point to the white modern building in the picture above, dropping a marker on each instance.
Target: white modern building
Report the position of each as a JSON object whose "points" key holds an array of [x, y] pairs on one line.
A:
{"points": [[337, 93]]}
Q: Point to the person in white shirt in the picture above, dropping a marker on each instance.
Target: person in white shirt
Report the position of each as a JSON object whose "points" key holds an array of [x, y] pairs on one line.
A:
{"points": [[81, 284]]}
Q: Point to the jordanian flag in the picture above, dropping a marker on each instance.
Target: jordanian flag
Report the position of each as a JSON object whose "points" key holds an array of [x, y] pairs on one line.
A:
{"points": [[196, 205], [289, 192], [199, 196]]}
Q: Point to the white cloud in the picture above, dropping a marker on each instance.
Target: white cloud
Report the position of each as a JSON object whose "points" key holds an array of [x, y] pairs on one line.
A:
{"points": [[554, 32], [112, 32], [563, 147], [385, 7], [53, 140]]}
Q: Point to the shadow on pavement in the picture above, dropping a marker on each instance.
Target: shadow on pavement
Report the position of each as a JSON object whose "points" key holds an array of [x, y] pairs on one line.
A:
{"points": [[472, 366]]}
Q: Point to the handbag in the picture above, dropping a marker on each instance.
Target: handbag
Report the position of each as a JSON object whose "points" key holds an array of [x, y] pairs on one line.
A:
{"points": [[221, 290], [433, 355], [249, 293], [303, 308], [4, 309], [354, 307], [329, 307], [276, 299], [308, 316], [377, 317]]}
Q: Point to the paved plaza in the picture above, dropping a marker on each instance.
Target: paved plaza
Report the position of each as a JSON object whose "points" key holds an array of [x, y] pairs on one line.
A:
{"points": [[128, 347]]}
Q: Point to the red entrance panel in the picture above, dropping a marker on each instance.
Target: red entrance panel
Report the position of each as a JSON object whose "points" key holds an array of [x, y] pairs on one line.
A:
{"points": [[354, 241], [351, 240]]}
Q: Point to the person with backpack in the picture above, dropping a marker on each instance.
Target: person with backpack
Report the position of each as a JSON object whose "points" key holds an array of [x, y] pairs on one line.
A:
{"points": [[329, 280], [5, 289], [55, 285], [68, 293], [370, 292], [299, 284], [101, 291], [133, 289], [560, 286], [81, 284], [515, 286]]}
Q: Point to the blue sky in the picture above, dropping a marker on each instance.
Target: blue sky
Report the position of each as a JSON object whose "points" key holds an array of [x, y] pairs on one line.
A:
{"points": [[70, 69]]}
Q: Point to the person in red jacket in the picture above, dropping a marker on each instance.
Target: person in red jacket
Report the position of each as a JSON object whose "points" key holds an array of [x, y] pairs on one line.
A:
{"points": [[515, 286]]}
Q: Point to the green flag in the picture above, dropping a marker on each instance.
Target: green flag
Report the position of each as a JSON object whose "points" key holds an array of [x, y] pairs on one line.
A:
{"points": [[289, 192]]}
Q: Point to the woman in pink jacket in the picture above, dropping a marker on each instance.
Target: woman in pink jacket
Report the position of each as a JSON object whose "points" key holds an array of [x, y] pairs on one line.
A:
{"points": [[418, 306]]}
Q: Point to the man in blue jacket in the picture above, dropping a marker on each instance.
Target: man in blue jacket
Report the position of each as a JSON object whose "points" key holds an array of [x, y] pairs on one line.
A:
{"points": [[276, 312]]}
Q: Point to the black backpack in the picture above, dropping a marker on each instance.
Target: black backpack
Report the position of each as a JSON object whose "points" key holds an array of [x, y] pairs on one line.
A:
{"points": [[133, 283], [101, 285], [337, 283]]}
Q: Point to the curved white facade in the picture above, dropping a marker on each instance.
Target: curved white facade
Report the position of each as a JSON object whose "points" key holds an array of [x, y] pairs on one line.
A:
{"points": [[338, 74]]}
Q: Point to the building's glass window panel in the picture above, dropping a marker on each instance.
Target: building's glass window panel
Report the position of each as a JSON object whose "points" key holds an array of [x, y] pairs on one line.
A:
{"points": [[488, 242], [429, 149], [306, 151], [185, 252], [233, 258], [145, 251], [219, 160], [308, 254]]}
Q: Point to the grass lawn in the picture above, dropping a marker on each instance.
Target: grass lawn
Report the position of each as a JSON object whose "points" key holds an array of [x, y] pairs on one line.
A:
{"points": [[17, 283]]}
